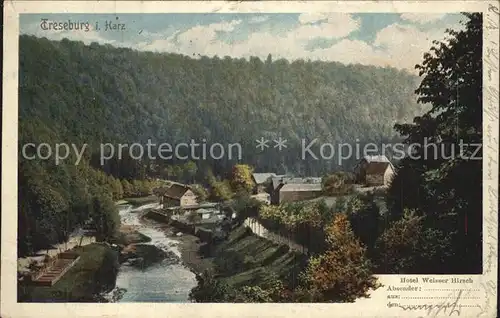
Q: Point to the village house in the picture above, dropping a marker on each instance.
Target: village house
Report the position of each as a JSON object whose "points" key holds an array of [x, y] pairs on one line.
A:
{"points": [[299, 189], [176, 194], [374, 171], [297, 192], [260, 181]]}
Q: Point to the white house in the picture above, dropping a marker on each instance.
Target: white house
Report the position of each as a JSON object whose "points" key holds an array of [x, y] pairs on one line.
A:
{"points": [[374, 171]]}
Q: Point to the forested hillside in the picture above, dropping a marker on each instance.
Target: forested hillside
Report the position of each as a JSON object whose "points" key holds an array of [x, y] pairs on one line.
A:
{"points": [[100, 93]]}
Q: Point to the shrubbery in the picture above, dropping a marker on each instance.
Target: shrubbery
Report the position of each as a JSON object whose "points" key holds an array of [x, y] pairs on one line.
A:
{"points": [[408, 246], [343, 272], [210, 289]]}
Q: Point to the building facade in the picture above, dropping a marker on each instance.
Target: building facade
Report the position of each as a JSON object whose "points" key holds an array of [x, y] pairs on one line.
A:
{"points": [[177, 195], [374, 171], [288, 189], [298, 192]]}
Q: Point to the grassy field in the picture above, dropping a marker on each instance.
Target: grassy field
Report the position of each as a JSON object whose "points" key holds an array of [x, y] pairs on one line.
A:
{"points": [[245, 258], [94, 272]]}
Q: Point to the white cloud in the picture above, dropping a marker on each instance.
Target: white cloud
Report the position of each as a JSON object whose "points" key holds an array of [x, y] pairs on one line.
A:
{"points": [[292, 44], [200, 39], [258, 19], [331, 25], [202, 36], [330, 17], [349, 51], [422, 18], [405, 45], [337, 25], [312, 17], [399, 46]]}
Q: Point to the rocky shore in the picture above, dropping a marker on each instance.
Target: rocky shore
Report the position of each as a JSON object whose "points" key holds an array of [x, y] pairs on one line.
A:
{"points": [[134, 252], [192, 249]]}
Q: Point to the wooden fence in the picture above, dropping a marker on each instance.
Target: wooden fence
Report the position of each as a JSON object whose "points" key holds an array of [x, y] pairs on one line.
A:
{"points": [[259, 230]]}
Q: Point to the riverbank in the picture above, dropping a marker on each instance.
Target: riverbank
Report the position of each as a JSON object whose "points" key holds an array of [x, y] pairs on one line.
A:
{"points": [[243, 259], [138, 201], [151, 271]]}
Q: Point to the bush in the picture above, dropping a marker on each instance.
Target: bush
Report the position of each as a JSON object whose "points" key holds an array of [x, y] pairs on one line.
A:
{"points": [[410, 247], [338, 183], [343, 272], [200, 192], [268, 288], [363, 215], [230, 262], [210, 289]]}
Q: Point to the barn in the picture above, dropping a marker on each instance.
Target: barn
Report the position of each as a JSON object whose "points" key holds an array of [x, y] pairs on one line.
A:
{"points": [[298, 192], [298, 189]]}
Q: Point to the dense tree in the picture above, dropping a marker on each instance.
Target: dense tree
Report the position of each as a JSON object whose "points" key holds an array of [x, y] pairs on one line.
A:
{"points": [[241, 178], [364, 216], [190, 170], [269, 290], [343, 272], [200, 192], [128, 190], [105, 217], [54, 200], [244, 206], [220, 190], [408, 247]]}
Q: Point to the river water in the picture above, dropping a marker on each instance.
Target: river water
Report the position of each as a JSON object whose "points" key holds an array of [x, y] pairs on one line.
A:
{"points": [[161, 282]]}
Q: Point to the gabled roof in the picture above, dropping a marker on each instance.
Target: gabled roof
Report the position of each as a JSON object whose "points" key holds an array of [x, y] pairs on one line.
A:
{"points": [[291, 180], [380, 158], [297, 187], [260, 178], [377, 164], [174, 191]]}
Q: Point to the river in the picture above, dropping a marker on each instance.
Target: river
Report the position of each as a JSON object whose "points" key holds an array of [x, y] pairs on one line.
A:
{"points": [[162, 282]]}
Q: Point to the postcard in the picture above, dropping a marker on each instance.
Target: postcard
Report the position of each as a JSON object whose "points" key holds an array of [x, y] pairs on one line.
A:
{"points": [[250, 159]]}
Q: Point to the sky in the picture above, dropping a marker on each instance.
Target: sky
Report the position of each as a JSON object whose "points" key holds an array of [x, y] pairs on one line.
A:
{"points": [[383, 39]]}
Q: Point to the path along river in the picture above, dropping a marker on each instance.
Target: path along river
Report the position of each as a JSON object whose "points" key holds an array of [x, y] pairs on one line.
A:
{"points": [[167, 281]]}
